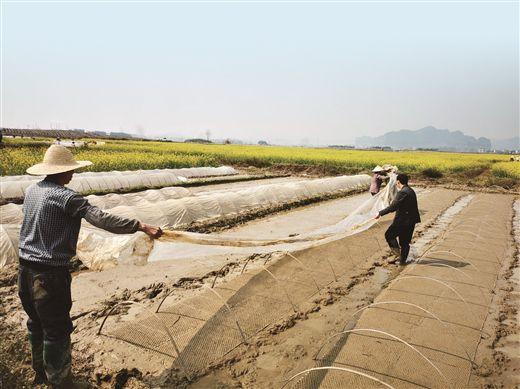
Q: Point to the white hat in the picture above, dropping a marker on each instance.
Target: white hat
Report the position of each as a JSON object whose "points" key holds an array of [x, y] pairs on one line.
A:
{"points": [[387, 167], [377, 169], [57, 159]]}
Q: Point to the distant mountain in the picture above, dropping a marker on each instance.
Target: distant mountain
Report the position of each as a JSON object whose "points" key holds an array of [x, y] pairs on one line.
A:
{"points": [[426, 138], [507, 144]]}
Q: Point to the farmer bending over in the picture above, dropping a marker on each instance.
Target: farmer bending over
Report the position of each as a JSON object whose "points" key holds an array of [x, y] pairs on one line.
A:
{"points": [[406, 216], [48, 239], [378, 175]]}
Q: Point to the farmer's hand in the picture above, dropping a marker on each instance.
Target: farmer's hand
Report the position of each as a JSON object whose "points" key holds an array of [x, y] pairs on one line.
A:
{"points": [[377, 216], [154, 232]]}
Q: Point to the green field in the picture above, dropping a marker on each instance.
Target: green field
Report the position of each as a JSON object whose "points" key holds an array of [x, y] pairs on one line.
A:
{"points": [[18, 154]]}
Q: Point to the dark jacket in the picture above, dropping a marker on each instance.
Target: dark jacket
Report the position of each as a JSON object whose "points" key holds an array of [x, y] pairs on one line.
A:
{"points": [[405, 207]]}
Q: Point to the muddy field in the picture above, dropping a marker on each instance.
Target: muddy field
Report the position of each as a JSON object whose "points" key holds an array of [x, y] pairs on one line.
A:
{"points": [[333, 315]]}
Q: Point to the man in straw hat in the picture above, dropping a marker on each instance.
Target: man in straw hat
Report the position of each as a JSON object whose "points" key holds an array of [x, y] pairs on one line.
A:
{"points": [[406, 216], [48, 239]]}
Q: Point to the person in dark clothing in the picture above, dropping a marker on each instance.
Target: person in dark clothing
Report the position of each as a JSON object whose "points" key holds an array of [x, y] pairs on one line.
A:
{"points": [[406, 216], [48, 239]]}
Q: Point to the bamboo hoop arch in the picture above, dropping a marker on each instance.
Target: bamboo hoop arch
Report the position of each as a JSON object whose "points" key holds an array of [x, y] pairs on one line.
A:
{"points": [[306, 268], [283, 288], [459, 271], [345, 369], [444, 324], [444, 284], [391, 336], [174, 344], [230, 312], [218, 273], [442, 265], [454, 254]]}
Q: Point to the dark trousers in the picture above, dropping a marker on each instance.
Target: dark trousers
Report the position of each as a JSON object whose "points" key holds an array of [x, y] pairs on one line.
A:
{"points": [[404, 233], [46, 298]]}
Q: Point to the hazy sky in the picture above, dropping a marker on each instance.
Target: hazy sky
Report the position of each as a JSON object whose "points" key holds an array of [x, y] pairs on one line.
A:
{"points": [[325, 72]]}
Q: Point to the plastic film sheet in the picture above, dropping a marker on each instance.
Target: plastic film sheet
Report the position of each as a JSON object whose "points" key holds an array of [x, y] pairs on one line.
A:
{"points": [[13, 187], [99, 249], [187, 244]]}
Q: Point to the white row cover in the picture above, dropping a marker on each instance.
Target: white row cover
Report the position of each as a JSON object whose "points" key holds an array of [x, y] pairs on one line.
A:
{"points": [[176, 213], [178, 245], [13, 187], [12, 213], [98, 249], [151, 196]]}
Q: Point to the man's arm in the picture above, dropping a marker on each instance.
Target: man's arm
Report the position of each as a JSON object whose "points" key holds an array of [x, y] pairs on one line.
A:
{"points": [[78, 206], [401, 195]]}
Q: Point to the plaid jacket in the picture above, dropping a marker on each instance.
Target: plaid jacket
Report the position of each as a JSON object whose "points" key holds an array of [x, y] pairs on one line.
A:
{"points": [[52, 220]]}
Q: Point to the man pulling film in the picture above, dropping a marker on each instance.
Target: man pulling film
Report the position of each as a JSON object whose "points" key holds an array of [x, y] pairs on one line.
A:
{"points": [[48, 240]]}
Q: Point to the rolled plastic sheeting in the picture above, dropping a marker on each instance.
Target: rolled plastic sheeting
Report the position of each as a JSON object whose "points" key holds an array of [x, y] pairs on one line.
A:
{"points": [[100, 249], [13, 187], [96, 248]]}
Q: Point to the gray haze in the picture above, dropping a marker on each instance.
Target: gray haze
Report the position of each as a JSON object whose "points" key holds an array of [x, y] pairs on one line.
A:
{"points": [[297, 73]]}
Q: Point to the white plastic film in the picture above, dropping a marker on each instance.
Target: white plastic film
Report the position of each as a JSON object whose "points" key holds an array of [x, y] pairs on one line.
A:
{"points": [[13, 187], [98, 249]]}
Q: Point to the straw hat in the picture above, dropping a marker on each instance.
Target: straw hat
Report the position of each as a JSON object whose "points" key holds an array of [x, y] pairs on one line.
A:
{"points": [[387, 167], [57, 159], [377, 169]]}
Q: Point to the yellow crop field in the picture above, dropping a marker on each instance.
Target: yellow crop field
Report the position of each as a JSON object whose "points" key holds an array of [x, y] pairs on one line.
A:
{"points": [[507, 169], [18, 154]]}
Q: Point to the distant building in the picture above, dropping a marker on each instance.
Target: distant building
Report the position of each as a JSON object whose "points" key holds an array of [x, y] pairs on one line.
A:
{"points": [[341, 147], [379, 148], [63, 134]]}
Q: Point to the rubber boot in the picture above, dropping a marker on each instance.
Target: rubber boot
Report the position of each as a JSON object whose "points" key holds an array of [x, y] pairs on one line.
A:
{"points": [[402, 261], [36, 342], [395, 251], [57, 361]]}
